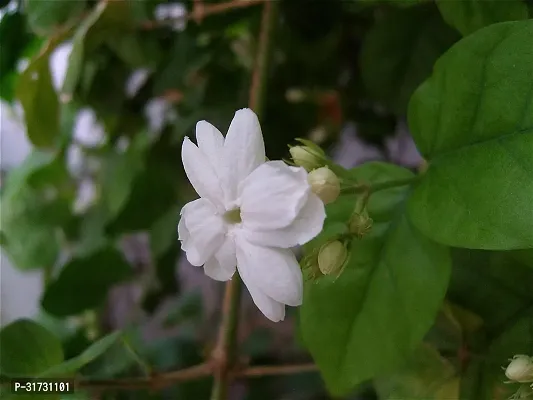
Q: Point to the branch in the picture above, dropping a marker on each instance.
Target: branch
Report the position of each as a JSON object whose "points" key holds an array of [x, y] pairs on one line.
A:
{"points": [[166, 379], [200, 11], [154, 382], [253, 372]]}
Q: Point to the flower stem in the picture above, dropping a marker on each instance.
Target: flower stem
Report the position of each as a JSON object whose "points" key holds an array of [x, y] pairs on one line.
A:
{"points": [[224, 354]]}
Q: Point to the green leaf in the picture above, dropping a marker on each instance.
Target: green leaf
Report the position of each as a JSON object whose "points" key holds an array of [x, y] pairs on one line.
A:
{"points": [[39, 101], [13, 40], [46, 17], [90, 354], [75, 60], [497, 287], [120, 172], [163, 232], [84, 282], [28, 349], [473, 121], [385, 301], [399, 51], [468, 16], [35, 203], [427, 375]]}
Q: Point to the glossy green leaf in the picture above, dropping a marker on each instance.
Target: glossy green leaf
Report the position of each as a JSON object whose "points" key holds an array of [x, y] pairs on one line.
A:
{"points": [[399, 51], [28, 349], [76, 58], [46, 17], [85, 281], [468, 16], [473, 121], [90, 354], [40, 103], [386, 299], [427, 375]]}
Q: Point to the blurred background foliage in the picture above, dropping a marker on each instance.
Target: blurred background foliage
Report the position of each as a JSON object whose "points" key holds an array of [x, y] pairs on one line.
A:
{"points": [[105, 164]]}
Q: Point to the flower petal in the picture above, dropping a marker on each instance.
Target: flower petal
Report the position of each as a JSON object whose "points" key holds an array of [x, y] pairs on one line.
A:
{"points": [[201, 173], [222, 265], [307, 225], [273, 195], [210, 142], [273, 310], [244, 149], [201, 231], [274, 271]]}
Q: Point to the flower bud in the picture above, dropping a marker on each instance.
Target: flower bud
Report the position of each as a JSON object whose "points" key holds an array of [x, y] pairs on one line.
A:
{"points": [[332, 257], [360, 223], [520, 369], [325, 184], [307, 157]]}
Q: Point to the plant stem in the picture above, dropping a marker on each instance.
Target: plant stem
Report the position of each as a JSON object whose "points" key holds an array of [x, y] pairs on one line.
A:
{"points": [[224, 354]]}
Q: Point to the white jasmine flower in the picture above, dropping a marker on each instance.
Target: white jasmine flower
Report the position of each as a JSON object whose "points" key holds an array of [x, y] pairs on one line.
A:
{"points": [[88, 131], [250, 213], [59, 61], [159, 112], [169, 12], [136, 80]]}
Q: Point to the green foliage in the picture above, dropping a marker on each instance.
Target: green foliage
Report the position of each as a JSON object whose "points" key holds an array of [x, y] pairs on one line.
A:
{"points": [[389, 292], [427, 375], [33, 209], [470, 15], [39, 101], [473, 121], [28, 349], [408, 316], [94, 351], [399, 51], [47, 17], [85, 280]]}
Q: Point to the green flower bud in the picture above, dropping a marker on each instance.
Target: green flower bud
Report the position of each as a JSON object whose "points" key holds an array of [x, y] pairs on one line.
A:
{"points": [[360, 223], [325, 184], [308, 157], [520, 369], [332, 257]]}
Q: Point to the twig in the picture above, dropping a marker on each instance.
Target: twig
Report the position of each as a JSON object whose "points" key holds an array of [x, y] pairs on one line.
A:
{"points": [[166, 379], [202, 11], [154, 382], [259, 371]]}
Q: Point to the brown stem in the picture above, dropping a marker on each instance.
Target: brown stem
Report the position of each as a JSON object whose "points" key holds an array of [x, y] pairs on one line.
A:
{"points": [[154, 382], [259, 371], [166, 379]]}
